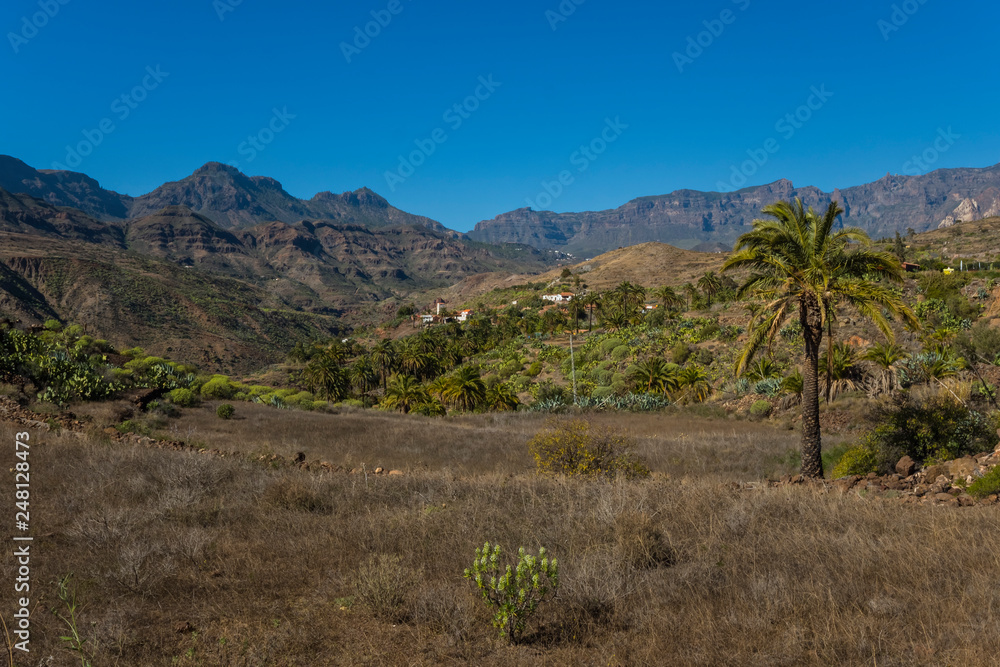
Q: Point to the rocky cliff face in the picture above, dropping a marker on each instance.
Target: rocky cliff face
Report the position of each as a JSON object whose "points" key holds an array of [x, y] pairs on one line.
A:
{"points": [[688, 218]]}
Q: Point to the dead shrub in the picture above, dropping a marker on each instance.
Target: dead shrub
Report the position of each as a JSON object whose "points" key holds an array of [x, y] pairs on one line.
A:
{"points": [[386, 587], [298, 495], [640, 543]]}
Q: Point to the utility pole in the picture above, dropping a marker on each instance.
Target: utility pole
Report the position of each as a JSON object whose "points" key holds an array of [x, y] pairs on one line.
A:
{"points": [[572, 363]]}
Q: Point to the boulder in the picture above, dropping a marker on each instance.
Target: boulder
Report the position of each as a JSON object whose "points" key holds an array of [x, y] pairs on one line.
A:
{"points": [[906, 466]]}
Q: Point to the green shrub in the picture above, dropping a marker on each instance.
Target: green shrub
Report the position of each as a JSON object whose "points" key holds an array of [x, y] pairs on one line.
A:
{"points": [[607, 346], [183, 397], [602, 392], [513, 592], [218, 387], [299, 398], [578, 448], [680, 352], [534, 370], [760, 410], [225, 411], [987, 485], [620, 353], [934, 429], [858, 460]]}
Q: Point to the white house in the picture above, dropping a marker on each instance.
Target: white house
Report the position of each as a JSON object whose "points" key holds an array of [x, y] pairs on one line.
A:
{"points": [[463, 316], [558, 298]]}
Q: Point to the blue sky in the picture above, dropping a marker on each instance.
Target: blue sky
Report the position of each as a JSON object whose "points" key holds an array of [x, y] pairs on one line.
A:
{"points": [[618, 99]]}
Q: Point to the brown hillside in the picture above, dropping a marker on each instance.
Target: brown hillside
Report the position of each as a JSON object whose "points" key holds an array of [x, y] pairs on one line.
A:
{"points": [[646, 264], [978, 240]]}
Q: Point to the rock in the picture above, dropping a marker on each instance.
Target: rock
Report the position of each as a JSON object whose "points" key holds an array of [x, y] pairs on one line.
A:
{"points": [[944, 497], [906, 466], [395, 472], [966, 500], [942, 480], [183, 627], [931, 473], [960, 467]]}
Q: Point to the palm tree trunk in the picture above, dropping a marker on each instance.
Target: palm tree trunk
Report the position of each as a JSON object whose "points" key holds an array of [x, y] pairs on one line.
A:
{"points": [[812, 325]]}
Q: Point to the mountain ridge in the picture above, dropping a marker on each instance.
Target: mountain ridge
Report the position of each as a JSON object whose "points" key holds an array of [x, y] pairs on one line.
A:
{"points": [[690, 218]]}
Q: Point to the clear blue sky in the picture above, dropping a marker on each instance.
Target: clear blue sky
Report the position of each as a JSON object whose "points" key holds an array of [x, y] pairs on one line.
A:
{"points": [[688, 125]]}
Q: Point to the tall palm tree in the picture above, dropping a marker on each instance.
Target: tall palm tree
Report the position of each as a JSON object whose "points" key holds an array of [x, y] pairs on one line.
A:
{"points": [[405, 393], [363, 375], [384, 360], [711, 285], [326, 373], [629, 297], [592, 302], [668, 298], [414, 359], [799, 265], [690, 291]]}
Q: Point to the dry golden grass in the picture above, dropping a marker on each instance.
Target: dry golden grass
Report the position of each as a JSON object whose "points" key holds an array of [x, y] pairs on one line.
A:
{"points": [[286, 567], [647, 264]]}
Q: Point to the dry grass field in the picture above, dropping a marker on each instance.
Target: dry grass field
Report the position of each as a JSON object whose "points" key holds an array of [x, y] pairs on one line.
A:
{"points": [[182, 558]]}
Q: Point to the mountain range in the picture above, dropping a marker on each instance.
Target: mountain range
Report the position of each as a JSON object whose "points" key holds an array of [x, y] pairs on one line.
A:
{"points": [[161, 270], [714, 220], [229, 270]]}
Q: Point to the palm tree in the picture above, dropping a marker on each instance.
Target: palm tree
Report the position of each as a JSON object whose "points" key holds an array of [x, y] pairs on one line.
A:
{"points": [[885, 356], [414, 359], [799, 265], [591, 302], [465, 388], [690, 291], [384, 360], [694, 384], [668, 298], [839, 366], [405, 393], [363, 375], [711, 285], [615, 320], [325, 372], [655, 375], [502, 398], [629, 297]]}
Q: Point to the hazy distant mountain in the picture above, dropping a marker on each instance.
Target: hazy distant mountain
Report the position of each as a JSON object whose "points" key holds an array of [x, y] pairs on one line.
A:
{"points": [[688, 218], [220, 192], [63, 188]]}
